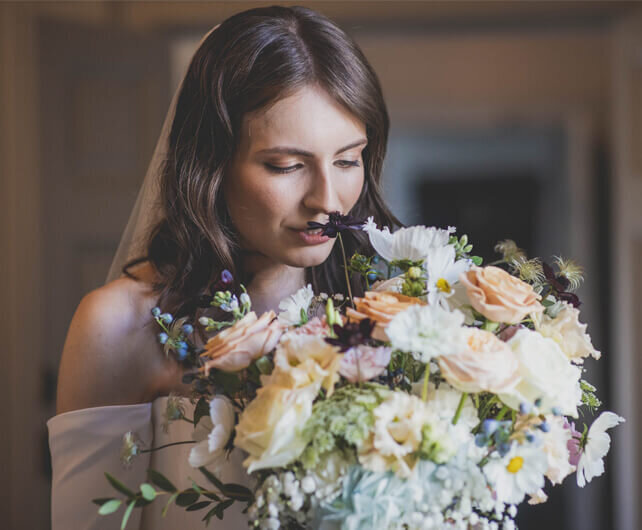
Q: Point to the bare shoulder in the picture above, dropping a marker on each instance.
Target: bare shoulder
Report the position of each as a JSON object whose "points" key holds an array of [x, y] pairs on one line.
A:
{"points": [[110, 356]]}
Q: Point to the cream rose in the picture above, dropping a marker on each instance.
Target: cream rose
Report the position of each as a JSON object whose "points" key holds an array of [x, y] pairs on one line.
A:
{"points": [[398, 434], [380, 307], [363, 363], [500, 296], [300, 360], [270, 428], [568, 332], [487, 364], [234, 348], [545, 373]]}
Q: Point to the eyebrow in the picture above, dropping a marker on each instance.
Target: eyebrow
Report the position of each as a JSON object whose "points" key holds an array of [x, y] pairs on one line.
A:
{"points": [[283, 150]]}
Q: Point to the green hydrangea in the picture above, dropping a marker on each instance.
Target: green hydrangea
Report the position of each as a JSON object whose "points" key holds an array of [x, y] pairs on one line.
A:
{"points": [[343, 421]]}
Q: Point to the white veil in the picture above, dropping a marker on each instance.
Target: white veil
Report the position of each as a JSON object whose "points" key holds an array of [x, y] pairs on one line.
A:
{"points": [[146, 211]]}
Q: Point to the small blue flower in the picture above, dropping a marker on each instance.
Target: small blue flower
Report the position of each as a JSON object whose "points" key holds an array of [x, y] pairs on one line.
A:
{"points": [[481, 440], [556, 411], [226, 276], [182, 345], [525, 408], [503, 448], [162, 337], [375, 259], [156, 312], [544, 427], [187, 329], [530, 437], [489, 426], [372, 276], [182, 353], [167, 318], [538, 402]]}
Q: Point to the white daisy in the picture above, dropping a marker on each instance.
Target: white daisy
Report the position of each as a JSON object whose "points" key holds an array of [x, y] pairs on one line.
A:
{"points": [[292, 306], [591, 463], [212, 434], [443, 273], [412, 243], [427, 331], [519, 472]]}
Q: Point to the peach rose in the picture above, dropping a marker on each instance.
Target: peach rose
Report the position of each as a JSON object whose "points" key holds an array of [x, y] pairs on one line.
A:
{"points": [[380, 307], [487, 365], [234, 348], [500, 296]]}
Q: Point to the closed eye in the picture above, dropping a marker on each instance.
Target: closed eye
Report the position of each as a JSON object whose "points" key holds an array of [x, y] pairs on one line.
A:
{"points": [[345, 164]]}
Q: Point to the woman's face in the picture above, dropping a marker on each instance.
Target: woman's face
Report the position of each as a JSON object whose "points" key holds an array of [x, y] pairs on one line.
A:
{"points": [[297, 161]]}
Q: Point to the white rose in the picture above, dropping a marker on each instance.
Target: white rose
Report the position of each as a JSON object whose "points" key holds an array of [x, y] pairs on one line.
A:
{"points": [[546, 374], [568, 332]]}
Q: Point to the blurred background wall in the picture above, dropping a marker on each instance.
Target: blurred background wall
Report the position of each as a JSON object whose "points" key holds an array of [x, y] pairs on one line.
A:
{"points": [[509, 119]]}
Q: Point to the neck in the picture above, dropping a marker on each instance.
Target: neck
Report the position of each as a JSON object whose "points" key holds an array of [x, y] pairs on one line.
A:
{"points": [[270, 282]]}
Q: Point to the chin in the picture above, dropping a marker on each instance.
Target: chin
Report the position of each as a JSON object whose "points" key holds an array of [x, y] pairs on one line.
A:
{"points": [[308, 257]]}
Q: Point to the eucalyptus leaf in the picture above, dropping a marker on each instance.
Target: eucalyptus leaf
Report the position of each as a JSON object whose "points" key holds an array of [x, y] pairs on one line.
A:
{"points": [[198, 506], [187, 497], [101, 500], [159, 480], [118, 485], [149, 493], [110, 506], [128, 512]]}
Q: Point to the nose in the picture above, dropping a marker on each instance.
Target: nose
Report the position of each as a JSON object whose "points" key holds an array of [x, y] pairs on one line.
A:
{"points": [[322, 193]]}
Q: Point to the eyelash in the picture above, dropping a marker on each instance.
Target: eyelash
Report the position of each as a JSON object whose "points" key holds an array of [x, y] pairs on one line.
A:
{"points": [[275, 169]]}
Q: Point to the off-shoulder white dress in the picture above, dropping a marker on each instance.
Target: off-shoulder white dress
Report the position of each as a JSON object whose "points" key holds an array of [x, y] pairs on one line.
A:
{"points": [[86, 443]]}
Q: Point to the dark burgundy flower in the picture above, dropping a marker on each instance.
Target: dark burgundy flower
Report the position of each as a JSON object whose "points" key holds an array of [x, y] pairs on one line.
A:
{"points": [[351, 334], [560, 283], [337, 222]]}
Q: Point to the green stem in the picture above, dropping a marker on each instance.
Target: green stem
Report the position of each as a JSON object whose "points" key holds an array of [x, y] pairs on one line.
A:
{"points": [[502, 412], [424, 390], [166, 445], [345, 268], [460, 407]]}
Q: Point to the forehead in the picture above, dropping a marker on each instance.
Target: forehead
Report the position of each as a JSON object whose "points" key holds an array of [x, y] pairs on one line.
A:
{"points": [[309, 119]]}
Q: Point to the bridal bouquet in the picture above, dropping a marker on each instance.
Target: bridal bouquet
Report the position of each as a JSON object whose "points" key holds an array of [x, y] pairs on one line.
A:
{"points": [[443, 398]]}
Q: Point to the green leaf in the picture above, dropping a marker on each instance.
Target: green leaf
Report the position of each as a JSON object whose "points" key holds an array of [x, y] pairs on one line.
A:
{"points": [[149, 493], [211, 477], [128, 512], [187, 497], [101, 500], [202, 409], [222, 507], [212, 496], [117, 484], [237, 492], [110, 507], [198, 506], [160, 481], [169, 502], [477, 260]]}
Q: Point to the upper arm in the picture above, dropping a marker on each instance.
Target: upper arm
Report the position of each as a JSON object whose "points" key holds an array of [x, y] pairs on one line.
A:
{"points": [[96, 366]]}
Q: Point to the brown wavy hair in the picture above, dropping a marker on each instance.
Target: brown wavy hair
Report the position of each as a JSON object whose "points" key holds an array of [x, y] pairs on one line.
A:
{"points": [[255, 58]]}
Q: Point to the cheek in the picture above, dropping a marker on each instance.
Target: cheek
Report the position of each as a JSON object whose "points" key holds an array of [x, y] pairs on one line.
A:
{"points": [[350, 190], [255, 198]]}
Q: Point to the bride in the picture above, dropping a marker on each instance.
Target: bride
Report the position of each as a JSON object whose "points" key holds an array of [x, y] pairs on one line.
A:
{"points": [[279, 121]]}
